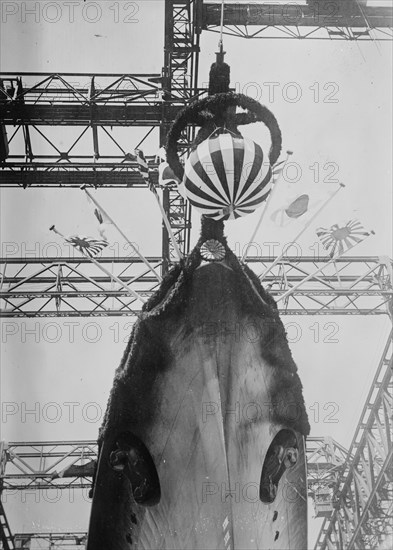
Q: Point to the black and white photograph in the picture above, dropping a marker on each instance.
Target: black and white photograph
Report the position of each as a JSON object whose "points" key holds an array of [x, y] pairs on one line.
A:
{"points": [[196, 275]]}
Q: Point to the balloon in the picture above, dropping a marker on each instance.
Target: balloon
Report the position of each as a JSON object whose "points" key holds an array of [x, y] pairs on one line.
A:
{"points": [[226, 177]]}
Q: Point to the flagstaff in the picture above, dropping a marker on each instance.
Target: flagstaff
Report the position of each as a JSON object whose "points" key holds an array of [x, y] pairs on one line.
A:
{"points": [[332, 260], [111, 220], [278, 167], [101, 267], [280, 257]]}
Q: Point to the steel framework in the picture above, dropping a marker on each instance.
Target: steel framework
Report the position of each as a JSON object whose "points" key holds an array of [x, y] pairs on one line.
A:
{"points": [[46, 465], [6, 537], [93, 112], [362, 517], [316, 19], [49, 541], [180, 80], [64, 465], [64, 287], [326, 461]]}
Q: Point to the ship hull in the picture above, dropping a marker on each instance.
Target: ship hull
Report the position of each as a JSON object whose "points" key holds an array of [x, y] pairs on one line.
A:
{"points": [[209, 417]]}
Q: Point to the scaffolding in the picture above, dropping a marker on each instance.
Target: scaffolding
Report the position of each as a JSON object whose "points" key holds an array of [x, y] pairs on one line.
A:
{"points": [[352, 490], [314, 19], [73, 286]]}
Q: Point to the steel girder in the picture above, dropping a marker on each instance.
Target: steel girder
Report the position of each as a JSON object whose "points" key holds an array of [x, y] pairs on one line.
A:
{"points": [[180, 79], [66, 464], [74, 287], [362, 518], [326, 460], [63, 130], [43, 541], [46, 465], [6, 537], [317, 19]]}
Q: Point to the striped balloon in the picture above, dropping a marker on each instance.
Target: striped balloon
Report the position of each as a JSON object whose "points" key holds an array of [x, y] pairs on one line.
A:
{"points": [[226, 177]]}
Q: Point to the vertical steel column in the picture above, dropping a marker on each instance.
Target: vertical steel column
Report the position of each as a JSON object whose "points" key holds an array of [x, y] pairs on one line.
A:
{"points": [[179, 81]]}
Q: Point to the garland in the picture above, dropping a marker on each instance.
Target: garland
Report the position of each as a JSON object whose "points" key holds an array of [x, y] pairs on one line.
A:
{"points": [[214, 111]]}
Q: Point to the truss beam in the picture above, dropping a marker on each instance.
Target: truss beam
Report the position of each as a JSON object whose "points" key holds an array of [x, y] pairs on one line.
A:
{"points": [[317, 19], [326, 460], [69, 464], [7, 540], [74, 287], [49, 541], [84, 99], [362, 495], [180, 76], [74, 174], [68, 129], [48, 465]]}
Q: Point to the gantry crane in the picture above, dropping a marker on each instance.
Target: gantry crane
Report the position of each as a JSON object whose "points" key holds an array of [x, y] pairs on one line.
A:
{"points": [[354, 488]]}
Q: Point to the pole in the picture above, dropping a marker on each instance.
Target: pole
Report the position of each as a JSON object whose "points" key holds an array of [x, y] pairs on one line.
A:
{"points": [[167, 224], [266, 207], [141, 256], [111, 276], [301, 232], [316, 272]]}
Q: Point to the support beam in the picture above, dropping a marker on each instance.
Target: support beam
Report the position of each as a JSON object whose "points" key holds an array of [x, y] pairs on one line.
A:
{"points": [[6, 537], [363, 493], [180, 76], [66, 129], [74, 287], [326, 460], [106, 173], [48, 465], [317, 19], [50, 541]]}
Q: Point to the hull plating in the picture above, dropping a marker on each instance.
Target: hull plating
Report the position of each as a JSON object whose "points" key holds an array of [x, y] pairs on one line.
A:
{"points": [[208, 417]]}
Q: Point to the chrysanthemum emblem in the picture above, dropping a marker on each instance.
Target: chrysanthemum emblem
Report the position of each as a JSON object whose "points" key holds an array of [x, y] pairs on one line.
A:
{"points": [[212, 251]]}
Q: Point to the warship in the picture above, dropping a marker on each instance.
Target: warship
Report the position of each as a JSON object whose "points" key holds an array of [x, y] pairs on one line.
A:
{"points": [[203, 442]]}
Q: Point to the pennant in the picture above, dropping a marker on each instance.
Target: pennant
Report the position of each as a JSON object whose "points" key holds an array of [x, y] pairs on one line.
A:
{"points": [[161, 155], [277, 170], [102, 218], [340, 238], [142, 165], [166, 176]]}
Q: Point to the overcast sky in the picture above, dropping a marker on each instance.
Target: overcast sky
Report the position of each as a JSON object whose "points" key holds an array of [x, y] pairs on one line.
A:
{"points": [[333, 102]]}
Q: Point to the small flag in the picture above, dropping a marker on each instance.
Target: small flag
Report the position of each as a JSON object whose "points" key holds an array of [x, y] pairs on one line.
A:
{"points": [[338, 239], [277, 170], [299, 201], [166, 176], [87, 245], [142, 165], [102, 218], [279, 167], [160, 155]]}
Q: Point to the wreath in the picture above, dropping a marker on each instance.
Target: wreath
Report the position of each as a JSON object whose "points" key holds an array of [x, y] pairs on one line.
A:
{"points": [[219, 110]]}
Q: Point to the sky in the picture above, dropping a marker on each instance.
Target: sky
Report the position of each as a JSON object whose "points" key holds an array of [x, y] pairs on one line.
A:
{"points": [[333, 103]]}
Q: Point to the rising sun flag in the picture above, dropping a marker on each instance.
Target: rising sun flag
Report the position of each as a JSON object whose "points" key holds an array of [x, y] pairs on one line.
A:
{"points": [[87, 245], [340, 238]]}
